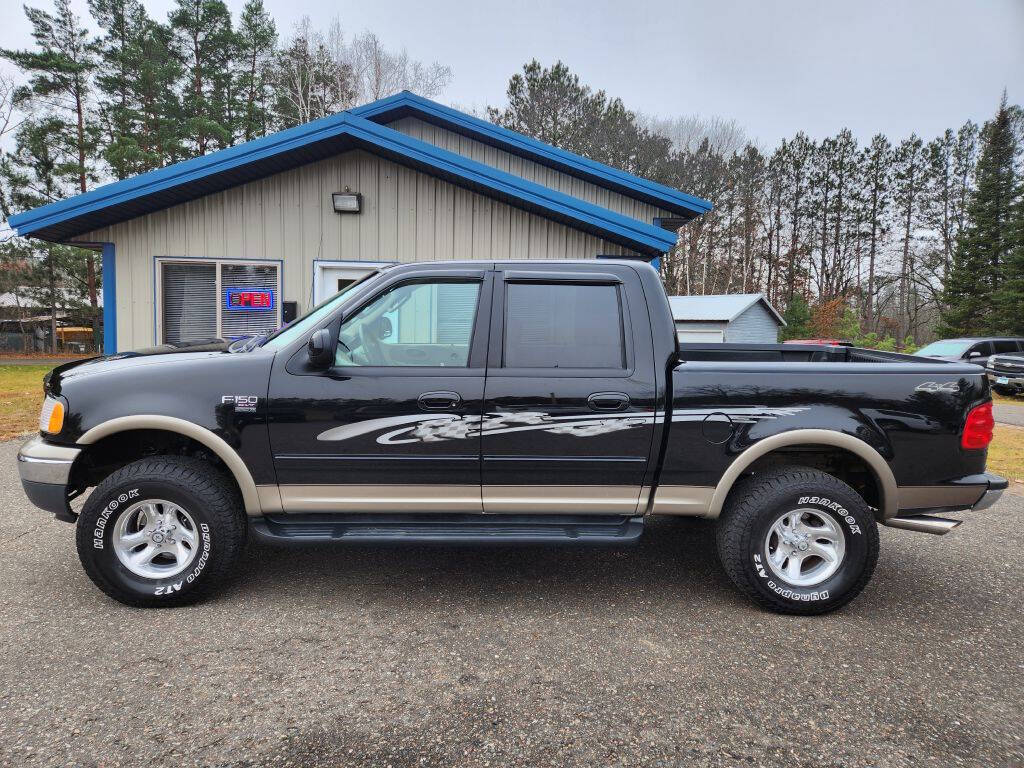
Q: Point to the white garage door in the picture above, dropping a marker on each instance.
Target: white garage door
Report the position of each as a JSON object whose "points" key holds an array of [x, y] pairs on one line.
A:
{"points": [[700, 337]]}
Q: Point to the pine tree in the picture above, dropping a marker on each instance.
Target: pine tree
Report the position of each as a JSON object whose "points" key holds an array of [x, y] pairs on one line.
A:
{"points": [[60, 72], [799, 154], [205, 43], [876, 165], [553, 106], [58, 276], [256, 39], [1009, 297], [908, 179], [124, 23], [798, 319], [974, 298]]}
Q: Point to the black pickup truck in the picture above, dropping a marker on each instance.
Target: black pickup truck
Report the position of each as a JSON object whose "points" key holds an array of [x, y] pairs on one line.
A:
{"points": [[518, 402]]}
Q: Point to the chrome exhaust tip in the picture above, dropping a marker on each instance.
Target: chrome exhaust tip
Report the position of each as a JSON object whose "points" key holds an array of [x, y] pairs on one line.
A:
{"points": [[923, 523]]}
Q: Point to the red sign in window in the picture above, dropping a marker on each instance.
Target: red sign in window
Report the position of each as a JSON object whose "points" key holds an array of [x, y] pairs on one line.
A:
{"points": [[239, 298]]}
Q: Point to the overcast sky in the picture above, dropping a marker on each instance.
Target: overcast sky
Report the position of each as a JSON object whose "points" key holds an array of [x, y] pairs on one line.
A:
{"points": [[894, 66]]}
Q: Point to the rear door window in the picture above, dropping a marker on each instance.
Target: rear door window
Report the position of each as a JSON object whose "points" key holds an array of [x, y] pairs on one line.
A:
{"points": [[563, 325], [1002, 347]]}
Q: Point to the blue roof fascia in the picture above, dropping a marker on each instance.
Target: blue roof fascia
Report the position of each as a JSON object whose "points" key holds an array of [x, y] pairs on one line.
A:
{"points": [[618, 227], [27, 222], [514, 187], [519, 144]]}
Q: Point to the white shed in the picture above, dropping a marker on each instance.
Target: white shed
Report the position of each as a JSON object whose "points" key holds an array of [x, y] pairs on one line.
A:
{"points": [[731, 318]]}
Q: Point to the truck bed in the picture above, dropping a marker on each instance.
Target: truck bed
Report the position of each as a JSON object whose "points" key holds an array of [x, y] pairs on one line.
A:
{"points": [[792, 353]]}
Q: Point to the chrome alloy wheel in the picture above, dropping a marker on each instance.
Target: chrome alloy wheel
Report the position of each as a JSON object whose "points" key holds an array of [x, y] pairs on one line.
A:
{"points": [[804, 547], [156, 539]]}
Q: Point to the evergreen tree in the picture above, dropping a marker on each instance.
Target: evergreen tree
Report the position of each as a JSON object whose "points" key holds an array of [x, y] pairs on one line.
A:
{"points": [[799, 154], [551, 105], [974, 298], [256, 39], [58, 277], [908, 180], [876, 171], [61, 135], [205, 44], [798, 319]]}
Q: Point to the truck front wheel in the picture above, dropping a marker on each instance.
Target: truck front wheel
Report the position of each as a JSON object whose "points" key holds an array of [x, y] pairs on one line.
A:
{"points": [[797, 540], [162, 531]]}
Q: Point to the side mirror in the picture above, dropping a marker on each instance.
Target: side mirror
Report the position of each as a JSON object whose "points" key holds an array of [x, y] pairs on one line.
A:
{"points": [[973, 354], [320, 349]]}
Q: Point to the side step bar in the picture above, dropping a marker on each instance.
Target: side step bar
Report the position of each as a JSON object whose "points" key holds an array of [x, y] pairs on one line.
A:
{"points": [[923, 523], [448, 529]]}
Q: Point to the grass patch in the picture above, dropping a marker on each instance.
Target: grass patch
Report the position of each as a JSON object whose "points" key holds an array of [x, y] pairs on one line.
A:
{"points": [[999, 399], [21, 395], [1006, 452]]}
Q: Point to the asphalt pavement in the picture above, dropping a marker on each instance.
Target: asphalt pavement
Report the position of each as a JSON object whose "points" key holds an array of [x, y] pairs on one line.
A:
{"points": [[514, 657], [1009, 414]]}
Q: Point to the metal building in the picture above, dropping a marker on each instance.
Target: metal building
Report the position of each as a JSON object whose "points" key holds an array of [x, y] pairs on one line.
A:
{"points": [[731, 318], [241, 240]]}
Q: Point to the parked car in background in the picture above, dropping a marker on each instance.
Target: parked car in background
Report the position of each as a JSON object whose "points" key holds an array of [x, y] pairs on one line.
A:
{"points": [[1006, 373], [975, 349]]}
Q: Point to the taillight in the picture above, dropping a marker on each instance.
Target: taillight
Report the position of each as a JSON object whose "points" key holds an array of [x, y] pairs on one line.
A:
{"points": [[978, 428]]}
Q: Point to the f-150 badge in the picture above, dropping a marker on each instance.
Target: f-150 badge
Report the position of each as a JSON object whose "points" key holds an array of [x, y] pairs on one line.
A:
{"points": [[241, 402]]}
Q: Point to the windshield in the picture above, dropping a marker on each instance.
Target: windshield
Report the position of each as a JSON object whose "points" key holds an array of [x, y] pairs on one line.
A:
{"points": [[945, 348], [286, 334]]}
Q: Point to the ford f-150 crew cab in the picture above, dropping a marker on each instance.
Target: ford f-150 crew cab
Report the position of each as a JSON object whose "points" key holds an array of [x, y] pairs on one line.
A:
{"points": [[512, 402]]}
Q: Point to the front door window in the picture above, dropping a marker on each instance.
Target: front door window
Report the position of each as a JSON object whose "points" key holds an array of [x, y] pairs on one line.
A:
{"points": [[415, 324]]}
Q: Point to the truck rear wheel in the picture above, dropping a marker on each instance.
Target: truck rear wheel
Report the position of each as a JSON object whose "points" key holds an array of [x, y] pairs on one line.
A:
{"points": [[161, 532], [797, 540]]}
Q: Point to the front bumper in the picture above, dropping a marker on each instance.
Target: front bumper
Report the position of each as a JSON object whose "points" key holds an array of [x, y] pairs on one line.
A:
{"points": [[1005, 378], [45, 470]]}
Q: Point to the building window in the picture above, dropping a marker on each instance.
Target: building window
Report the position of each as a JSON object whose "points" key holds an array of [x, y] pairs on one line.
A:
{"points": [[203, 299]]}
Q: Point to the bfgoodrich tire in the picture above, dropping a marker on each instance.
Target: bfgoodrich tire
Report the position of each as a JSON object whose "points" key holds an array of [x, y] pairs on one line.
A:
{"points": [[797, 540], [161, 532]]}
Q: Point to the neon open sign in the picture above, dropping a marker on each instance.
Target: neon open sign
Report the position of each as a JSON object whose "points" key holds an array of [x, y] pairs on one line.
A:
{"points": [[261, 300]]}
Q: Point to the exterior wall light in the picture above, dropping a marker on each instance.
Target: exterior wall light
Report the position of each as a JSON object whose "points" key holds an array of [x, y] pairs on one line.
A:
{"points": [[346, 202]]}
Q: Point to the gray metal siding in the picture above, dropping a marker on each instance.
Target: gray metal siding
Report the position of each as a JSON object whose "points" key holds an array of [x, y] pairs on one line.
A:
{"points": [[407, 216], [528, 169], [755, 325]]}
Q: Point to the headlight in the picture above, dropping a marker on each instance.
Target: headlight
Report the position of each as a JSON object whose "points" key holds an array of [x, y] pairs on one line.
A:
{"points": [[51, 418]]}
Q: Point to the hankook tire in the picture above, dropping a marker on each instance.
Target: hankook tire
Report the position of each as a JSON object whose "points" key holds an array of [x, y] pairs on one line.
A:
{"points": [[797, 540], [160, 532]]}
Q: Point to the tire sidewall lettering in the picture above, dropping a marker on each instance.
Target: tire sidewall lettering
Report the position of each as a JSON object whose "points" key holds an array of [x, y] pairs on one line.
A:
{"points": [[836, 508], [108, 511]]}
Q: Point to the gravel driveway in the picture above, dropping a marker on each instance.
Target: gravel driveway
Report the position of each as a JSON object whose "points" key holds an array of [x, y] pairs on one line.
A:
{"points": [[522, 657]]}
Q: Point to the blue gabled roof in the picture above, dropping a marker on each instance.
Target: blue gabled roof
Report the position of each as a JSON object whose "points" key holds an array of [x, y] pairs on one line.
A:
{"points": [[307, 143], [405, 103]]}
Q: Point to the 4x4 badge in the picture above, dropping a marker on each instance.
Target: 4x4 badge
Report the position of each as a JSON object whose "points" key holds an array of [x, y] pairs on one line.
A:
{"points": [[934, 386]]}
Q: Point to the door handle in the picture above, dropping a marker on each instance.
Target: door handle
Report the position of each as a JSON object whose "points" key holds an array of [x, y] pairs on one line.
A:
{"points": [[608, 401], [438, 401]]}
